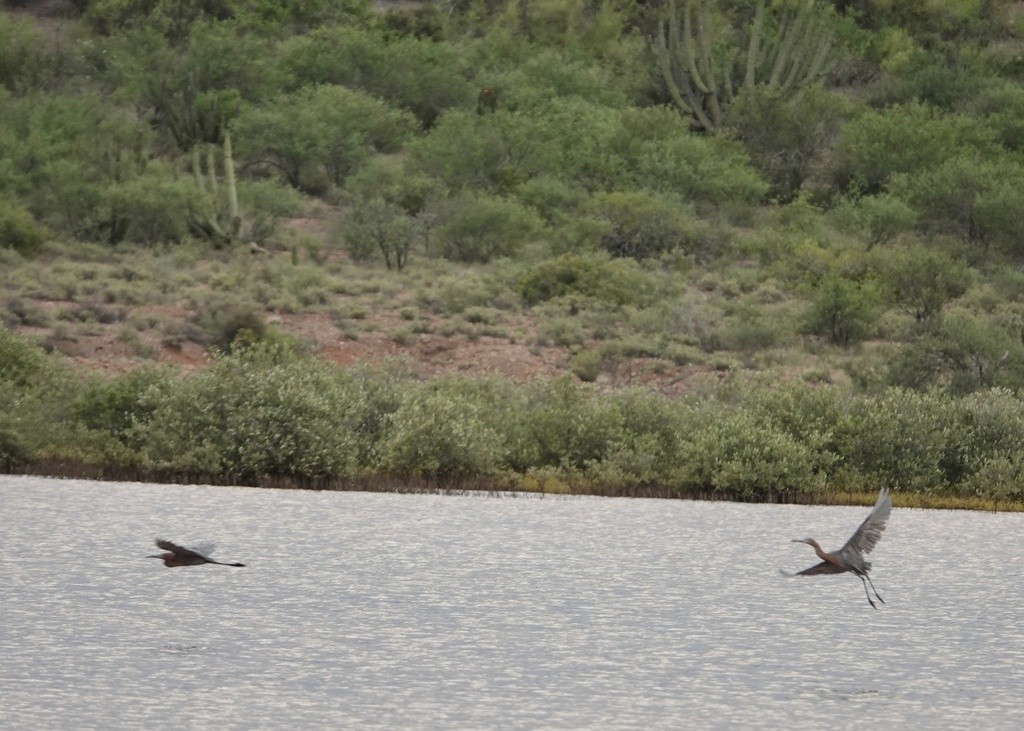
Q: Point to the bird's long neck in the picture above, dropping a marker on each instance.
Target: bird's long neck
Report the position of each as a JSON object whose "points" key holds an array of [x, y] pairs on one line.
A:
{"points": [[818, 550]]}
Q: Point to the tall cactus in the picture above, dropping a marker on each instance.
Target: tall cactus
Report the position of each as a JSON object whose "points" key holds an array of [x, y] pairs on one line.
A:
{"points": [[222, 222], [703, 70]]}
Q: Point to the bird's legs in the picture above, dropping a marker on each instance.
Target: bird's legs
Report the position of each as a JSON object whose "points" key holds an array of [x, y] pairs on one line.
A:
{"points": [[874, 589], [862, 577]]}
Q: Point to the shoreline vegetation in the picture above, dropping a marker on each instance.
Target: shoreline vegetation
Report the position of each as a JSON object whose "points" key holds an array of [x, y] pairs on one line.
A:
{"points": [[268, 414], [736, 249], [552, 487]]}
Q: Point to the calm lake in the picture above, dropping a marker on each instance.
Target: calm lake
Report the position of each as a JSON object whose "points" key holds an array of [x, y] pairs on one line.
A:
{"points": [[360, 610]]}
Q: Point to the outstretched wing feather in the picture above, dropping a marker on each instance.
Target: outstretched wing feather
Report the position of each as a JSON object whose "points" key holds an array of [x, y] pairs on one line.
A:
{"points": [[179, 551], [866, 537]]}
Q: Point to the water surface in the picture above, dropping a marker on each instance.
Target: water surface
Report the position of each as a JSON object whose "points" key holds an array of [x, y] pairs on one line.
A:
{"points": [[361, 610]]}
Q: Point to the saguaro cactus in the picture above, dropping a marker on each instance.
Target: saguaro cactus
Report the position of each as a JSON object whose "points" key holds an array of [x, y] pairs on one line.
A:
{"points": [[702, 65]]}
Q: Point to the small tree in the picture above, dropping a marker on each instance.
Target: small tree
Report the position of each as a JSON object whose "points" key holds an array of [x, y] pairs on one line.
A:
{"points": [[785, 136], [978, 199], [965, 354], [922, 280], [376, 224], [328, 131], [842, 310]]}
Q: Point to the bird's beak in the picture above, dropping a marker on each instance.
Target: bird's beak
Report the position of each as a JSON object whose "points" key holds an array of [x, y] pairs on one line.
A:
{"points": [[153, 556], [800, 540]]}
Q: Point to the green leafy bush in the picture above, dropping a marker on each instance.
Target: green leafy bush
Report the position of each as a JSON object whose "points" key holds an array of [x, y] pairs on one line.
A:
{"points": [[561, 425], [476, 227], [377, 227], [26, 62], [330, 129], [156, 207], [119, 406], [434, 433], [921, 280], [963, 353], [13, 452], [615, 281], [899, 438], [1003, 109], [22, 363], [843, 310], [550, 73], [419, 75], [979, 199], [742, 457], [192, 87], [876, 218], [19, 230], [907, 138], [785, 137], [260, 411], [659, 152], [642, 224]]}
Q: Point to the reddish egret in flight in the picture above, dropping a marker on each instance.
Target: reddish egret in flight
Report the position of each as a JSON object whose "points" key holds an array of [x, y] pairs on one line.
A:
{"points": [[181, 556], [851, 556]]}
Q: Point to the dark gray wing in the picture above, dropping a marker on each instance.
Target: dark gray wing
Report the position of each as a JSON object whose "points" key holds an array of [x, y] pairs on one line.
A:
{"points": [[822, 568], [866, 537], [179, 551]]}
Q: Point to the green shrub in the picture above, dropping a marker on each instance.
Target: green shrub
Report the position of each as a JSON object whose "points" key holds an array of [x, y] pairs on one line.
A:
{"points": [[899, 438], [25, 59], [741, 457], [842, 310], [642, 224], [376, 227], [615, 281], [907, 138], [476, 227], [435, 433], [547, 73], [171, 17], [978, 199], [330, 129], [13, 452], [563, 425], [588, 364], [1003, 109], [877, 218], [659, 152], [963, 353], [420, 75], [786, 136], [921, 280], [643, 449], [22, 363], [928, 77], [150, 209], [999, 477], [19, 230], [260, 411], [119, 406], [189, 85]]}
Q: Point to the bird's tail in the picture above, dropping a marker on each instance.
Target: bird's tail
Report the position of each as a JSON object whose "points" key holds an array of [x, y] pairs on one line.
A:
{"points": [[787, 575]]}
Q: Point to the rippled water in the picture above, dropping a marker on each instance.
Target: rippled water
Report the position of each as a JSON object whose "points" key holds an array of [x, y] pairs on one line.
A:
{"points": [[365, 610]]}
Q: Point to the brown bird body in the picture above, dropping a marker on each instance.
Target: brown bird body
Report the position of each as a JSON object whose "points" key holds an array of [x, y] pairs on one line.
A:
{"points": [[180, 556], [850, 558]]}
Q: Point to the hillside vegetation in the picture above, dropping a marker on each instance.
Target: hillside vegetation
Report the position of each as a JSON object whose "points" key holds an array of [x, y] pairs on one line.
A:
{"points": [[730, 247]]}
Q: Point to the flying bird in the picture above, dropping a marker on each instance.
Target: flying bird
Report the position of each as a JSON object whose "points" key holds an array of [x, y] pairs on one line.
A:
{"points": [[180, 556], [851, 556]]}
